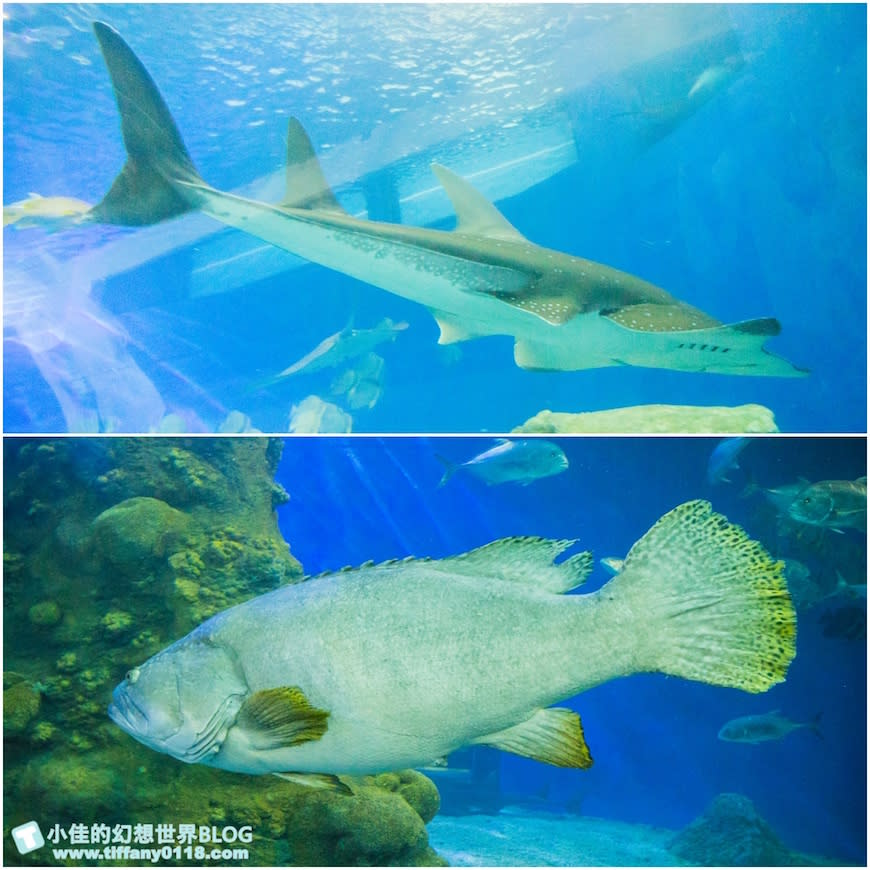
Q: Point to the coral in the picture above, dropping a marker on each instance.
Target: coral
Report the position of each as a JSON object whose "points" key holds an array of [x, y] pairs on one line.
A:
{"points": [[137, 531], [44, 613], [732, 833], [141, 540], [21, 703], [116, 622], [643, 419], [67, 663]]}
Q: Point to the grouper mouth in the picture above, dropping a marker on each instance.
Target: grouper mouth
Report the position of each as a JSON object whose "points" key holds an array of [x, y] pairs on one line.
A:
{"points": [[126, 714]]}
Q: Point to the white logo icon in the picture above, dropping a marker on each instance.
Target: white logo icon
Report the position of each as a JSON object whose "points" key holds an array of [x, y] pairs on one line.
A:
{"points": [[28, 837]]}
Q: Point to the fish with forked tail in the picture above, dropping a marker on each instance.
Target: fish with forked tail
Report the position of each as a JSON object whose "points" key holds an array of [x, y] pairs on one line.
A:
{"points": [[484, 278], [766, 726], [393, 665], [510, 461]]}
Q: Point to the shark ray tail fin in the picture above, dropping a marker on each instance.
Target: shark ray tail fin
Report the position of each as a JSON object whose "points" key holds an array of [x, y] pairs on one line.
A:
{"points": [[715, 605], [147, 190]]}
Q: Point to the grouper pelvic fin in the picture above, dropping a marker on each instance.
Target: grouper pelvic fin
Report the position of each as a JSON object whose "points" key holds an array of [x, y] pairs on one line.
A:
{"points": [[554, 736], [307, 187], [523, 559], [327, 781], [144, 192], [281, 717], [475, 214]]}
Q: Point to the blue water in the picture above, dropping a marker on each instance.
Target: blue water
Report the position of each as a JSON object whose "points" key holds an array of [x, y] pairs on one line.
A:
{"points": [[752, 206], [654, 739]]}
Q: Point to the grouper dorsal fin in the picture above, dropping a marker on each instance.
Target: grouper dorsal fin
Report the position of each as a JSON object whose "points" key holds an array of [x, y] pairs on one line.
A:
{"points": [[281, 717], [526, 560], [475, 214], [554, 736], [307, 187]]}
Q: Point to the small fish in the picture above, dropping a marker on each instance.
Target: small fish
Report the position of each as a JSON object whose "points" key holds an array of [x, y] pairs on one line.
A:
{"points": [[833, 504], [49, 212], [766, 726], [781, 497], [511, 462], [724, 459], [346, 345], [612, 564], [847, 590]]}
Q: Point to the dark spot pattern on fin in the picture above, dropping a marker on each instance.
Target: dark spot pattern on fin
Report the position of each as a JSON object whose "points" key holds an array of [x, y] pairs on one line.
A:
{"points": [[281, 717], [327, 781], [554, 736], [761, 326]]}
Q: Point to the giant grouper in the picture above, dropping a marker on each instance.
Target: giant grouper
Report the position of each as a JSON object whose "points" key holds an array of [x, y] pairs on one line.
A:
{"points": [[483, 278], [395, 665]]}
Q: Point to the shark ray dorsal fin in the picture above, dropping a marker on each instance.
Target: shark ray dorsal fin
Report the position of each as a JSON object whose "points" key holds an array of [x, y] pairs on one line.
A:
{"points": [[475, 214], [525, 560], [307, 187]]}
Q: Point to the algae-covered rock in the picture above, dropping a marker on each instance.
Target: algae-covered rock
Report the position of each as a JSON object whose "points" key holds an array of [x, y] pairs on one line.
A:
{"points": [[21, 703], [44, 613], [654, 419], [137, 531], [141, 540], [732, 833], [371, 827]]}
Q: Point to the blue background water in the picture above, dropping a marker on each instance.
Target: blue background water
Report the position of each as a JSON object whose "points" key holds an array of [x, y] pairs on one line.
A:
{"points": [[654, 739], [754, 206]]}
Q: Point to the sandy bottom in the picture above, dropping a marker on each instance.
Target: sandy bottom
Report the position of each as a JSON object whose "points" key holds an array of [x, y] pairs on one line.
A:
{"points": [[508, 840]]}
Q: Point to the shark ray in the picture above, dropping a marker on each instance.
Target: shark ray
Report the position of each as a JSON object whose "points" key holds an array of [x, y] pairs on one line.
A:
{"points": [[483, 278]]}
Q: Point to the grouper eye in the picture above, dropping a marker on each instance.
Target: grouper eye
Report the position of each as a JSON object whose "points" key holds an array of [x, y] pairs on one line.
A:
{"points": [[133, 675]]}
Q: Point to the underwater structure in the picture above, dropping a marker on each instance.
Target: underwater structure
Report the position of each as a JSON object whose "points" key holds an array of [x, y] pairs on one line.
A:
{"points": [[113, 548]]}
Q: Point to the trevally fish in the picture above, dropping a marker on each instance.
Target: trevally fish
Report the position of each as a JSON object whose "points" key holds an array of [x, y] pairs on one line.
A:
{"points": [[484, 278], [833, 504], [724, 459], [398, 664], [511, 462], [766, 726]]}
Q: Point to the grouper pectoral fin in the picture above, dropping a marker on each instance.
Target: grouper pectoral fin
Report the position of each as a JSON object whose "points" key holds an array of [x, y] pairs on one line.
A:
{"points": [[280, 717], [523, 559], [475, 214], [554, 736], [144, 192], [327, 781]]}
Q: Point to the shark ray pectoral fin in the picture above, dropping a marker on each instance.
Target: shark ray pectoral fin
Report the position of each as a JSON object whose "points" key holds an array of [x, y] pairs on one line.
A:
{"points": [[475, 214], [736, 348], [146, 190], [307, 187]]}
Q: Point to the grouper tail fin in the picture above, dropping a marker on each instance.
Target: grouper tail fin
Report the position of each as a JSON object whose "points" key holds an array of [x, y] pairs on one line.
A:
{"points": [[146, 190], [714, 604]]}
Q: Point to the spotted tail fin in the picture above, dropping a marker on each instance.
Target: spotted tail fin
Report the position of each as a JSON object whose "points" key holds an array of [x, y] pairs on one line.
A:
{"points": [[715, 605]]}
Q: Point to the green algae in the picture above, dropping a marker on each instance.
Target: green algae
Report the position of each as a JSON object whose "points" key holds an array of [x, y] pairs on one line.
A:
{"points": [[139, 541]]}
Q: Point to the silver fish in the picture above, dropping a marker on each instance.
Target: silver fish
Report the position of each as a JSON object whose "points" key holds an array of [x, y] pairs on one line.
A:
{"points": [[833, 504], [394, 665], [766, 726], [511, 462]]}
